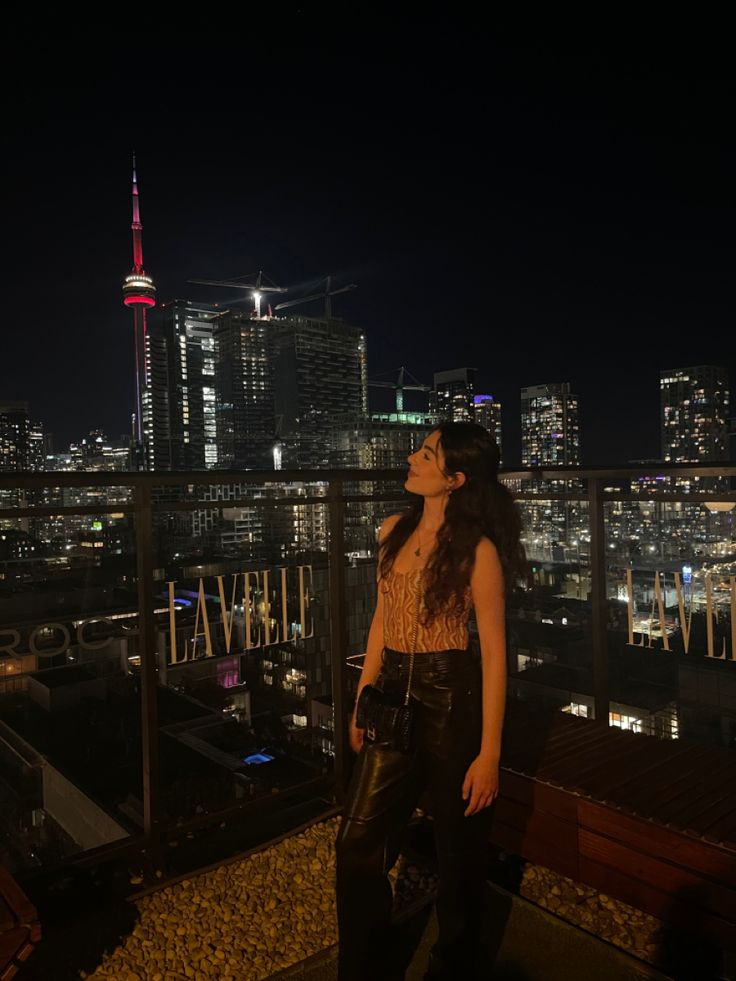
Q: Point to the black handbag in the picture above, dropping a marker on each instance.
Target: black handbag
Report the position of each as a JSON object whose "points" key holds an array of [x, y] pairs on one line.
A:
{"points": [[388, 717]]}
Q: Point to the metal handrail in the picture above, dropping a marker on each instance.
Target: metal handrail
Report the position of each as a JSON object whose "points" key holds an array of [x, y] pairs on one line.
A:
{"points": [[143, 506]]}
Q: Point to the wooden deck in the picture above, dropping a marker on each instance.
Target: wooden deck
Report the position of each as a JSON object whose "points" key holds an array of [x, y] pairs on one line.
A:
{"points": [[651, 822]]}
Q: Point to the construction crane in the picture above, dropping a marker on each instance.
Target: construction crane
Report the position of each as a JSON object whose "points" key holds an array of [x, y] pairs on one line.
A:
{"points": [[400, 386], [259, 287], [326, 294]]}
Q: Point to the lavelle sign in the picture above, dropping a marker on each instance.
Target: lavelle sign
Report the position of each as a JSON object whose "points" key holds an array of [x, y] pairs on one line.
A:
{"points": [[684, 621], [262, 629], [262, 623]]}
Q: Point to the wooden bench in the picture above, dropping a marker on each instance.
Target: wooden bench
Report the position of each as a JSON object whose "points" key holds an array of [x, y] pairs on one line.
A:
{"points": [[651, 822], [20, 930]]}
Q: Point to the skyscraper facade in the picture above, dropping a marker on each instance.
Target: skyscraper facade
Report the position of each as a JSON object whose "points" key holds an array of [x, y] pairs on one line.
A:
{"points": [[21, 449], [550, 427], [21, 439], [487, 413], [181, 408], [694, 414], [156, 398], [245, 397], [320, 370], [380, 441], [231, 390], [452, 396]]}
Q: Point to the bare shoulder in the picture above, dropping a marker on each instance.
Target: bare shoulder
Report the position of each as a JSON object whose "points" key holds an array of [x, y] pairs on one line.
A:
{"points": [[387, 526], [486, 556], [487, 579]]}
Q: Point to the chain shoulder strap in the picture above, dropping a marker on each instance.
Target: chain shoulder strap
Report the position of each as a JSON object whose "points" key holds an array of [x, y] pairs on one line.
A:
{"points": [[420, 600]]}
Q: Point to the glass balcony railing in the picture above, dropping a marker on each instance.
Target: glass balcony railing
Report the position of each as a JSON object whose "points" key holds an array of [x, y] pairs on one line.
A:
{"points": [[175, 648]]}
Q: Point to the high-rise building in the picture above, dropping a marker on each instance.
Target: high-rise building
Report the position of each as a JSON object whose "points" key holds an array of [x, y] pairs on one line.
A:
{"points": [[380, 441], [21, 449], [452, 396], [156, 400], [181, 404], [550, 428], [139, 293], [95, 452], [487, 413], [695, 412], [21, 439], [232, 390], [320, 370], [245, 398]]}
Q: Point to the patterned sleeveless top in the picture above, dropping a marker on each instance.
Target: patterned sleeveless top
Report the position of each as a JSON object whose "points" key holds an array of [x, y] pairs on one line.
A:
{"points": [[443, 633]]}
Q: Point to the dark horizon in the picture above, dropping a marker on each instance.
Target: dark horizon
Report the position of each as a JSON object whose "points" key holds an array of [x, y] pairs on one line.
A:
{"points": [[539, 214]]}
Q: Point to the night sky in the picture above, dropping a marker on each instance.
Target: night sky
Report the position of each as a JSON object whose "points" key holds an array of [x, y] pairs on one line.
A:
{"points": [[541, 212]]}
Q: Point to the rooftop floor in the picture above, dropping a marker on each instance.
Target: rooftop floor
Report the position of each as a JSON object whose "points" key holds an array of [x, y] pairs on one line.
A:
{"points": [[271, 914]]}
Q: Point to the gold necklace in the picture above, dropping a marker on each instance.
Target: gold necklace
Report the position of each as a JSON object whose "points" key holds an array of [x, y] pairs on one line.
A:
{"points": [[418, 549]]}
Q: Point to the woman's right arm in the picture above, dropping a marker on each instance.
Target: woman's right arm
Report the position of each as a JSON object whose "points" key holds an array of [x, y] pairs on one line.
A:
{"points": [[374, 644]]}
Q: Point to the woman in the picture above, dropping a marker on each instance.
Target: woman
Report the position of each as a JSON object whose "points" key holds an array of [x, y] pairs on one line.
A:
{"points": [[457, 547]]}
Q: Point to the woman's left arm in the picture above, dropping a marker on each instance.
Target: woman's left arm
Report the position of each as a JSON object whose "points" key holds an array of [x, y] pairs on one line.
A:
{"points": [[488, 592]]}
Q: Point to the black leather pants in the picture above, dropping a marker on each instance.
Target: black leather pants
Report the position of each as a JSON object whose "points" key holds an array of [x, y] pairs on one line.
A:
{"points": [[383, 793]]}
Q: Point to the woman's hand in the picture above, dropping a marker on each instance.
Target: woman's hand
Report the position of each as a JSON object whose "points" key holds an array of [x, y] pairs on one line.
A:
{"points": [[355, 735], [480, 786]]}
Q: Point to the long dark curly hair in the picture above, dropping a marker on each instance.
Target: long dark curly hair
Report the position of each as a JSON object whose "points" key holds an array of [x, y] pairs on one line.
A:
{"points": [[481, 506]]}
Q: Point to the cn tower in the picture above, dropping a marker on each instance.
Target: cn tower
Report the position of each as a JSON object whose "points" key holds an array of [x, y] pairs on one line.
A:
{"points": [[139, 293]]}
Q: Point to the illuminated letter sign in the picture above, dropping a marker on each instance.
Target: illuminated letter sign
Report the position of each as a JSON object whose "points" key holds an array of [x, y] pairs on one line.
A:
{"points": [[266, 618], [685, 625], [304, 602], [250, 609], [227, 617], [202, 606], [685, 621], [284, 617], [267, 642]]}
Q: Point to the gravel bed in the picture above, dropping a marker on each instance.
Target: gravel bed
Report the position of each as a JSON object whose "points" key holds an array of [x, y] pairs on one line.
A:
{"points": [[624, 926], [246, 920], [255, 917]]}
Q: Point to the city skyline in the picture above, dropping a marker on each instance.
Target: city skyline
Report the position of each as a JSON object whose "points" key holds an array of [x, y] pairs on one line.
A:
{"points": [[445, 221], [514, 222]]}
